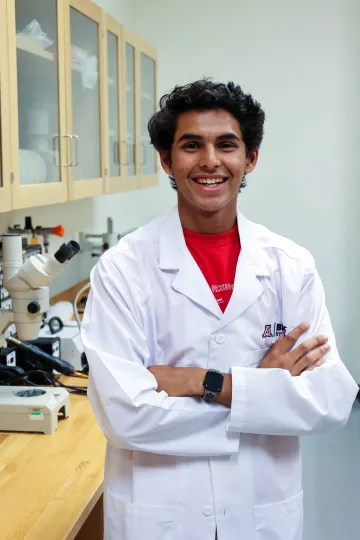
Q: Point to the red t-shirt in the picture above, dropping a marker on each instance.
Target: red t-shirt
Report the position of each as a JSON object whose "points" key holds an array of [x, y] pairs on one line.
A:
{"points": [[216, 256]]}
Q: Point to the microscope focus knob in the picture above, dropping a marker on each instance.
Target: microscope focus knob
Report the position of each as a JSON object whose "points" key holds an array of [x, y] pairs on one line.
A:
{"points": [[33, 307]]}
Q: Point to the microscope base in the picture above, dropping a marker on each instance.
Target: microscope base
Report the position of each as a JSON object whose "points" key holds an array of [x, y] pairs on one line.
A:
{"points": [[32, 409]]}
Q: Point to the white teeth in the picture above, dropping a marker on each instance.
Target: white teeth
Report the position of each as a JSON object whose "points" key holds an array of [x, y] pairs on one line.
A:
{"points": [[209, 180]]}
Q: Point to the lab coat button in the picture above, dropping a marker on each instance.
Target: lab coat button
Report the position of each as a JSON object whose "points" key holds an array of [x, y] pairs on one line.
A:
{"points": [[220, 338], [207, 511]]}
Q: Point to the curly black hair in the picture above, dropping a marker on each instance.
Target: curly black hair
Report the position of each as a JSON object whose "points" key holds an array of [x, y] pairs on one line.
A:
{"points": [[204, 95]]}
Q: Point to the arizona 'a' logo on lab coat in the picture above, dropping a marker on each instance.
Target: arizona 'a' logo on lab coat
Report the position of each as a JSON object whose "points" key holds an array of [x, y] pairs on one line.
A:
{"points": [[274, 330]]}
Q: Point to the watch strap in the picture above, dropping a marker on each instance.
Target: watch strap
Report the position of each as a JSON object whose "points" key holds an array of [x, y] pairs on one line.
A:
{"points": [[209, 396]]}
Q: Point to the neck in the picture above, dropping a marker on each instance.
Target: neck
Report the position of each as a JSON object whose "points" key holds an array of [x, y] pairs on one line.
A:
{"points": [[203, 222]]}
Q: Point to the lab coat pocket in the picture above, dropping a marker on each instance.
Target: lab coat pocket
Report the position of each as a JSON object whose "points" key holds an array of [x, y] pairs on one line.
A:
{"points": [[281, 520], [127, 521]]}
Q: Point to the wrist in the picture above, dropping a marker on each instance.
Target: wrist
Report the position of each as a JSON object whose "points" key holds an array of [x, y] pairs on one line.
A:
{"points": [[226, 389], [197, 389]]}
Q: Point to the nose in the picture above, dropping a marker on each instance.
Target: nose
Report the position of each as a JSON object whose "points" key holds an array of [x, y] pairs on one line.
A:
{"points": [[209, 158]]}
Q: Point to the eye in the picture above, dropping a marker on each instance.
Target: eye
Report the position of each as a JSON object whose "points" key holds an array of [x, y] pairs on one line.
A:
{"points": [[191, 146], [227, 146]]}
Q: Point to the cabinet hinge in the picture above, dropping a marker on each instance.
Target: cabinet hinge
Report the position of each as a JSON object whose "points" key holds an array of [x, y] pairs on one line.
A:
{"points": [[12, 177]]}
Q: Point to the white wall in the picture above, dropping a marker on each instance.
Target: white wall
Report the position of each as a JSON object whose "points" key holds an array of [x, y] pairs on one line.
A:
{"points": [[298, 60]]}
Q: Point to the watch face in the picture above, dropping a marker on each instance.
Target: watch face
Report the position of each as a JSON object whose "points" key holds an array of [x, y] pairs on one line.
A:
{"points": [[213, 381]]}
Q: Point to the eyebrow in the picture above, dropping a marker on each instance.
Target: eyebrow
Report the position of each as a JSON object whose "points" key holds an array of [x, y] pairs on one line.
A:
{"points": [[195, 137]]}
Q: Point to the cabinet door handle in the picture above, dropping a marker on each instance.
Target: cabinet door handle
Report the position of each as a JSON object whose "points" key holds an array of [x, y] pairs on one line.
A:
{"points": [[132, 153], [116, 152], [76, 162], [126, 162], [68, 136]]}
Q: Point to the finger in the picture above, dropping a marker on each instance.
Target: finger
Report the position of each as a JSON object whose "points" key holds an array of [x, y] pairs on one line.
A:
{"points": [[317, 364], [307, 346], [309, 359], [287, 341]]}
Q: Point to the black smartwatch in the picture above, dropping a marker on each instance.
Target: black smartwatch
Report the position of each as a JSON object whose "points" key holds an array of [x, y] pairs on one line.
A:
{"points": [[213, 384]]}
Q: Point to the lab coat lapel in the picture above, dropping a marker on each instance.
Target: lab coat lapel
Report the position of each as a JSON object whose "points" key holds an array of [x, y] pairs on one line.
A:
{"points": [[247, 287], [189, 280], [175, 256]]}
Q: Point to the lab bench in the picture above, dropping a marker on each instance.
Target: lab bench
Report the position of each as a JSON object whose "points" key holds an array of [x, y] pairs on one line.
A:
{"points": [[51, 485]]}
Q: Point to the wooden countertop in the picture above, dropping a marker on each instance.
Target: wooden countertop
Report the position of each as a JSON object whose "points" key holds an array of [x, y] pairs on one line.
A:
{"points": [[49, 484]]}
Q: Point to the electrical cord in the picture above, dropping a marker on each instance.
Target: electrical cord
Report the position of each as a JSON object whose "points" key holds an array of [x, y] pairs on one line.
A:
{"points": [[26, 377], [82, 390], [80, 375], [50, 379], [48, 359], [76, 299]]}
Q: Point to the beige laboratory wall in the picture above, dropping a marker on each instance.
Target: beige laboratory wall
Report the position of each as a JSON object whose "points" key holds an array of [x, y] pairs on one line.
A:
{"points": [[300, 60]]}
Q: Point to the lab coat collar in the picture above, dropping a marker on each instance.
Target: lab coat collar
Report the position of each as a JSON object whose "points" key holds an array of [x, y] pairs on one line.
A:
{"points": [[189, 280]]}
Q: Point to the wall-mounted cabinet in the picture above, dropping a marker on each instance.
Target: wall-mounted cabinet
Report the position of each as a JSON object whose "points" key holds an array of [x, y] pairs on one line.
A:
{"points": [[5, 159], [77, 90], [37, 102], [84, 73], [116, 150], [140, 103]]}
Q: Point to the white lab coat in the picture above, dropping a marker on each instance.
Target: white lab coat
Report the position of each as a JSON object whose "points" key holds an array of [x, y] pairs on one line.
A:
{"points": [[177, 468]]}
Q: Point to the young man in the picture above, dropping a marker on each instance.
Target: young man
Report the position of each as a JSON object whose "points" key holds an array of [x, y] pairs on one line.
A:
{"points": [[210, 347]]}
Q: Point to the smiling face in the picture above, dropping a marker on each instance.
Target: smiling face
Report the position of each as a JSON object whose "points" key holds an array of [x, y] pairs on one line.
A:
{"points": [[208, 161]]}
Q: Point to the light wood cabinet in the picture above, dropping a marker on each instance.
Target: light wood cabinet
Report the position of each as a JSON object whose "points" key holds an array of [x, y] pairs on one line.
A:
{"points": [[76, 93], [39, 159], [147, 106], [131, 103], [116, 149], [84, 92], [140, 67], [5, 160]]}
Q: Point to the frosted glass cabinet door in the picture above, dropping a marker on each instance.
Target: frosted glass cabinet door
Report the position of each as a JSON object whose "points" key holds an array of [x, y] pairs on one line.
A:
{"points": [[147, 76], [5, 157], [130, 99], [1, 146], [1, 160], [85, 93], [37, 91], [140, 99], [5, 184], [37, 102], [115, 147]]}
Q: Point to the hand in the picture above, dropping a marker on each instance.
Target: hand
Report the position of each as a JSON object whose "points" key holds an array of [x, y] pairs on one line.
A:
{"points": [[179, 381], [305, 357]]}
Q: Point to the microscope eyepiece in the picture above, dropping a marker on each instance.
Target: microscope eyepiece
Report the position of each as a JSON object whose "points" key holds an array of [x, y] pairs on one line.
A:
{"points": [[67, 251]]}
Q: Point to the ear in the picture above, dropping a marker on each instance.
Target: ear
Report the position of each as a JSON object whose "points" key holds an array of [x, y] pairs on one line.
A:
{"points": [[165, 159], [251, 160]]}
